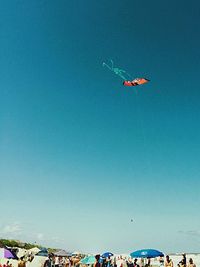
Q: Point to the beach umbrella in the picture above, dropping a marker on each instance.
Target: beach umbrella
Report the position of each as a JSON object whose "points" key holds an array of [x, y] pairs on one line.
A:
{"points": [[88, 260], [5, 253], [63, 253], [146, 253], [107, 254]]}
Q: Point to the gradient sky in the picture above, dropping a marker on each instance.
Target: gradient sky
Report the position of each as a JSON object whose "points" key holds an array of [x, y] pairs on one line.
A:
{"points": [[81, 155]]}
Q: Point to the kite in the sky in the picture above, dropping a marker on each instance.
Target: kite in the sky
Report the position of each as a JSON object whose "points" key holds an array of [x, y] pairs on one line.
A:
{"points": [[127, 80], [135, 82]]}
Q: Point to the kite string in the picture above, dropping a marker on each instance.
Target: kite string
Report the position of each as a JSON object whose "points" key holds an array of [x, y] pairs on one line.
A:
{"points": [[141, 121]]}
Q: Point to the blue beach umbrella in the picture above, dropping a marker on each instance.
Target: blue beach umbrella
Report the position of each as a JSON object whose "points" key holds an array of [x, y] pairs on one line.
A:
{"points": [[88, 260], [107, 254], [147, 253]]}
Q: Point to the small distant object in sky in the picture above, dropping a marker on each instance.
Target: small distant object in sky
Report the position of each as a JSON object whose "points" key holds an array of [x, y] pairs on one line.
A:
{"points": [[131, 220], [127, 79]]}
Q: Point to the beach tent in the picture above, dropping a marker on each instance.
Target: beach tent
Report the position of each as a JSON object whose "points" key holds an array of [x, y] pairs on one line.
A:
{"points": [[43, 252], [146, 253], [6, 253], [21, 252], [63, 253], [33, 251]]}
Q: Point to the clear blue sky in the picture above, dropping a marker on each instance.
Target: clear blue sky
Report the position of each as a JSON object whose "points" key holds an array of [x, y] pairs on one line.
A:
{"points": [[80, 155]]}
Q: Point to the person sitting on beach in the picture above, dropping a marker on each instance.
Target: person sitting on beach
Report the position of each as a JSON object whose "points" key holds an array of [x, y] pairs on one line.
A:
{"points": [[191, 263], [168, 262]]}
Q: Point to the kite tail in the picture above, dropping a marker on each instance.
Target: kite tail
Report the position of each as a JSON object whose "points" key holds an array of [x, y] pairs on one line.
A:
{"points": [[119, 72], [121, 76], [130, 77], [106, 65]]}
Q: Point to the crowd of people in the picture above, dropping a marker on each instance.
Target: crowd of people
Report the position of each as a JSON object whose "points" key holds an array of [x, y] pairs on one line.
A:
{"points": [[58, 261], [7, 264], [123, 262], [183, 263]]}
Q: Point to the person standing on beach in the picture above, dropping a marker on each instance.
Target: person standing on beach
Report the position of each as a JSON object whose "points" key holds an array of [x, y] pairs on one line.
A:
{"points": [[161, 261], [183, 261], [124, 264], [119, 261], [114, 262], [56, 261], [191, 263], [148, 262], [22, 262], [97, 263], [141, 262], [168, 262], [135, 263], [129, 262]]}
